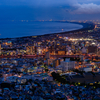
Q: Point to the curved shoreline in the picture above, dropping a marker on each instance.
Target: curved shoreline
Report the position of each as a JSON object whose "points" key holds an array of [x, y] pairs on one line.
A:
{"points": [[86, 26]]}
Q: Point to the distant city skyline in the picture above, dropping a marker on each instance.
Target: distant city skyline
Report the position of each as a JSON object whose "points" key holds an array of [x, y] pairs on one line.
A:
{"points": [[49, 9]]}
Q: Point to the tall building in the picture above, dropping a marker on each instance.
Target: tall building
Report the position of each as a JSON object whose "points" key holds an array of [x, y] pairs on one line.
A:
{"points": [[47, 55], [56, 63], [67, 65]]}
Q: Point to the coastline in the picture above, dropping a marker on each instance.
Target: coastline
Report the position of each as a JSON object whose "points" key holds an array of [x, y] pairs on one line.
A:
{"points": [[86, 26]]}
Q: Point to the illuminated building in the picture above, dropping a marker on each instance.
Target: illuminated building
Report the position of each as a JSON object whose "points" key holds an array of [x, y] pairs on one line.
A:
{"points": [[95, 26], [67, 65], [56, 63], [7, 43], [30, 50], [39, 50], [73, 47], [61, 52]]}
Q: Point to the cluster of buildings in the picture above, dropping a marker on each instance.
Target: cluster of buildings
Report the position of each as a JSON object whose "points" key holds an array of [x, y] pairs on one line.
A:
{"points": [[44, 90], [23, 78], [57, 44], [63, 54]]}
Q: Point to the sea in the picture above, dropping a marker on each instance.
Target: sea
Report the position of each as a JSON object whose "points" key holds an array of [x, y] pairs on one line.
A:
{"points": [[13, 29]]}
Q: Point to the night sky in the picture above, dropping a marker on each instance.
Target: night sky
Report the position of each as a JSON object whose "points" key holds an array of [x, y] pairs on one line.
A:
{"points": [[50, 9]]}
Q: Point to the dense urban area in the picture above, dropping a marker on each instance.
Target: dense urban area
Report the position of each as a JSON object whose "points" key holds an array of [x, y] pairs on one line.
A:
{"points": [[63, 66]]}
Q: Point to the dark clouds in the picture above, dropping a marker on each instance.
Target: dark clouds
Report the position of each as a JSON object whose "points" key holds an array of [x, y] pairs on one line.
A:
{"points": [[80, 6], [50, 9], [86, 9]]}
